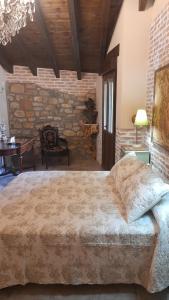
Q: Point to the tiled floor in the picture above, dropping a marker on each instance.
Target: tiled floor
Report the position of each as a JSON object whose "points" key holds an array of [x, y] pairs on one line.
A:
{"points": [[59, 292]]}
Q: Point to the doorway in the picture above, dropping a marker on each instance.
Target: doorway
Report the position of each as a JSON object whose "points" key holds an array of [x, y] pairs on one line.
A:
{"points": [[109, 120]]}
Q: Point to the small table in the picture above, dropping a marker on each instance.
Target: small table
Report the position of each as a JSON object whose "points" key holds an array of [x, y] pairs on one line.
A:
{"points": [[21, 146], [141, 151]]}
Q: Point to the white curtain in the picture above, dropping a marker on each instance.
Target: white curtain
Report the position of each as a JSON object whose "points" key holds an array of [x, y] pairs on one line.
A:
{"points": [[3, 102]]}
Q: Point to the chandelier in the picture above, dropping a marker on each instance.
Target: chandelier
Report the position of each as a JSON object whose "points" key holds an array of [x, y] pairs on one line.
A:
{"points": [[13, 16]]}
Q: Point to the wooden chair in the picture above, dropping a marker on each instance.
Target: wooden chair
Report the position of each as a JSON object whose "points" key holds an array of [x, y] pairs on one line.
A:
{"points": [[52, 144]]}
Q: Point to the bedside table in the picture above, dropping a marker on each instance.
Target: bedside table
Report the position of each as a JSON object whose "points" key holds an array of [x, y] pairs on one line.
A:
{"points": [[141, 151]]}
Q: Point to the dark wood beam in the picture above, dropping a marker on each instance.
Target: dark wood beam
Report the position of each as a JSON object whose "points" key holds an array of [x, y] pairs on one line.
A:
{"points": [[47, 40], [143, 4], [106, 5], [110, 16], [74, 20], [27, 54], [4, 61], [113, 22], [110, 61]]}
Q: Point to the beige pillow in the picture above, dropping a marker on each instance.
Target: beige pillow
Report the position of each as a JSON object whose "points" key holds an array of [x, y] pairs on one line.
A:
{"points": [[141, 191], [125, 167]]}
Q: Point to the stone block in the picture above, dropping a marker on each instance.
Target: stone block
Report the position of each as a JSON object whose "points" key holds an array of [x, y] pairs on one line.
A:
{"points": [[66, 105], [68, 125], [44, 93], [26, 105], [11, 98], [19, 114], [28, 125], [49, 107], [44, 113], [38, 99], [17, 125], [52, 101], [68, 111], [29, 113], [17, 88], [37, 104], [80, 133], [14, 105], [69, 133]]}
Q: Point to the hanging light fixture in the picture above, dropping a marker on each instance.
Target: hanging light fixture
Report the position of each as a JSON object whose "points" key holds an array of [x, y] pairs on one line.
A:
{"points": [[13, 16]]}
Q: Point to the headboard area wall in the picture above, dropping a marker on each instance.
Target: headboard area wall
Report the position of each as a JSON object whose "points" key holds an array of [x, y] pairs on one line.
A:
{"points": [[158, 57]]}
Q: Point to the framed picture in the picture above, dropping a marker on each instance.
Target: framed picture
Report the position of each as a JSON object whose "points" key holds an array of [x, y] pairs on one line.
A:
{"points": [[160, 122]]}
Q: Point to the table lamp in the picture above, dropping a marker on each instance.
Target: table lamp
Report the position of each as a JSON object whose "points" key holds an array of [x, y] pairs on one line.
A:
{"points": [[141, 120]]}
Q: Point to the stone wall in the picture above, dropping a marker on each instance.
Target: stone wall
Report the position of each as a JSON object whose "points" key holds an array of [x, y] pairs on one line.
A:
{"points": [[32, 107]]}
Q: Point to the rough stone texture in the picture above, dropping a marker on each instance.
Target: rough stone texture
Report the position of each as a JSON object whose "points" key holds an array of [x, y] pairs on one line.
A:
{"points": [[32, 107]]}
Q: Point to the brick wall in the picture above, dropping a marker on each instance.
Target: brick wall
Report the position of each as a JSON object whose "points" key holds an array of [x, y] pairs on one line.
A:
{"points": [[45, 78], [36, 101], [158, 57]]}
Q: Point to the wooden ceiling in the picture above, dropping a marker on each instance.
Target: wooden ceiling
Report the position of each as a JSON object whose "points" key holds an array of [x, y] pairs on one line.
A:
{"points": [[65, 35]]}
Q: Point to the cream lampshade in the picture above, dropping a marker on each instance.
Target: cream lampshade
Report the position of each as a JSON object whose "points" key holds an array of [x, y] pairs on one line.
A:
{"points": [[141, 120]]}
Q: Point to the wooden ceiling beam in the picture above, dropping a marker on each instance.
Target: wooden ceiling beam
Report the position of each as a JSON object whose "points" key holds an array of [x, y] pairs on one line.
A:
{"points": [[112, 28], [5, 62], [142, 5], [47, 40], [106, 5], [27, 55], [74, 21]]}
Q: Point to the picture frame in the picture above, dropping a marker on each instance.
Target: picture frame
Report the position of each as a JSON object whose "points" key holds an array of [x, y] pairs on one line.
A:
{"points": [[160, 119]]}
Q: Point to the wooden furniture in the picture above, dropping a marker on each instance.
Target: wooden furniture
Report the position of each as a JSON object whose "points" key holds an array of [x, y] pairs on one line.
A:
{"points": [[52, 144], [141, 151], [17, 149]]}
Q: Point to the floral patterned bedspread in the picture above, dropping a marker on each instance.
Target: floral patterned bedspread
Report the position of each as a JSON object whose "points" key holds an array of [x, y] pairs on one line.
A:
{"points": [[67, 227]]}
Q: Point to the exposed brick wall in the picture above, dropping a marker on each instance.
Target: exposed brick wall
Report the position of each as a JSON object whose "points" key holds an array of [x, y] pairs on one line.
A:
{"points": [[45, 78], [36, 101], [158, 57]]}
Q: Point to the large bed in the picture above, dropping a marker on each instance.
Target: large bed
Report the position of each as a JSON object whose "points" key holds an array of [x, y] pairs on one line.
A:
{"points": [[68, 228]]}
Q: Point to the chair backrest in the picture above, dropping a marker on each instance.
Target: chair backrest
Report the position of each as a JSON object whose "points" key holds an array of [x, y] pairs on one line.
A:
{"points": [[48, 136]]}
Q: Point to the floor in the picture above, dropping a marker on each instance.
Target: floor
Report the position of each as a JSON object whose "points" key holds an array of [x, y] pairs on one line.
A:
{"points": [[76, 165], [59, 292]]}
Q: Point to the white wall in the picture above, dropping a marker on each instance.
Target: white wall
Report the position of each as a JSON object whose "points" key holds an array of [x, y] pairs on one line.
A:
{"points": [[132, 33], [3, 101], [159, 5]]}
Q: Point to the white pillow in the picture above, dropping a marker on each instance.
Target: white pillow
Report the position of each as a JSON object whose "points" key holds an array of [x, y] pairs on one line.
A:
{"points": [[124, 168], [141, 191]]}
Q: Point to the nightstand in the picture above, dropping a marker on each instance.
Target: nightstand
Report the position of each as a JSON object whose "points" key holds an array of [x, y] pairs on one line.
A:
{"points": [[141, 151]]}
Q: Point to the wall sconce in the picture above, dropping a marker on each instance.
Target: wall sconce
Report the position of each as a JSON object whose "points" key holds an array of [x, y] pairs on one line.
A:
{"points": [[140, 121]]}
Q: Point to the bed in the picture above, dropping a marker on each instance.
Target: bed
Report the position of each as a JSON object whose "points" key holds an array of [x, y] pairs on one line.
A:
{"points": [[67, 227]]}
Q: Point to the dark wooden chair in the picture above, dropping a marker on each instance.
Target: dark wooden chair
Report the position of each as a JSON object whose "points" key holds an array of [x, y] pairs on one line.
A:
{"points": [[52, 144]]}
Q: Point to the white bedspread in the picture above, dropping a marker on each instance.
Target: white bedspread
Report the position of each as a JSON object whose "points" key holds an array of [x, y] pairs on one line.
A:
{"points": [[67, 227]]}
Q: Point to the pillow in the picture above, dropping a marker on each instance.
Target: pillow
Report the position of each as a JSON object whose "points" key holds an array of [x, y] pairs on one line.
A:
{"points": [[125, 167], [141, 191]]}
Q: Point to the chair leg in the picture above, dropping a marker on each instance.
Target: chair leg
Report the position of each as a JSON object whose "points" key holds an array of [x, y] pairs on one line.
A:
{"points": [[42, 158], [68, 158], [46, 161]]}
